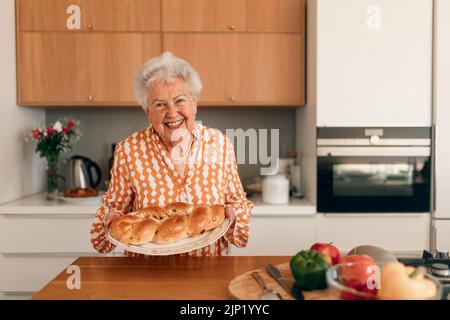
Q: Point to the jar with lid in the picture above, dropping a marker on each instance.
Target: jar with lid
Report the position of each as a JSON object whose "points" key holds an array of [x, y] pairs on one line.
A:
{"points": [[275, 189]]}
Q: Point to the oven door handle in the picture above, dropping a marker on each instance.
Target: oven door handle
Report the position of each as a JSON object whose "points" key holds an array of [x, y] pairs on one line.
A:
{"points": [[366, 142], [374, 151]]}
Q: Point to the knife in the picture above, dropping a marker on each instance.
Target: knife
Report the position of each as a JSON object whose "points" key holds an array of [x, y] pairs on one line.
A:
{"points": [[286, 284]]}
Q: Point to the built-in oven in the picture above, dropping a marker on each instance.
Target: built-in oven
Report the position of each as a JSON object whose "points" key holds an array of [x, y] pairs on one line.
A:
{"points": [[373, 170]]}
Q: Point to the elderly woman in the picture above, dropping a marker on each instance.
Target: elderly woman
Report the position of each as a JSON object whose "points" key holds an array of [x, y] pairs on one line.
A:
{"points": [[174, 159]]}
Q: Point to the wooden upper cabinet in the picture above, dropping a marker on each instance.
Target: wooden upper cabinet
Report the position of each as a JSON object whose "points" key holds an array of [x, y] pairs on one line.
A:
{"points": [[114, 60], [247, 52], [57, 68], [93, 15], [275, 15], [214, 57], [203, 15], [244, 69], [271, 69], [233, 15], [52, 68], [43, 15]]}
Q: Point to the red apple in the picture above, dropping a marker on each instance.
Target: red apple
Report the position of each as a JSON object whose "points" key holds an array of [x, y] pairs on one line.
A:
{"points": [[331, 253], [355, 268]]}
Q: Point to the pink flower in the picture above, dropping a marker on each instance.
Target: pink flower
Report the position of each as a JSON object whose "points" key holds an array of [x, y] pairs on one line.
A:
{"points": [[50, 131], [36, 133], [70, 124]]}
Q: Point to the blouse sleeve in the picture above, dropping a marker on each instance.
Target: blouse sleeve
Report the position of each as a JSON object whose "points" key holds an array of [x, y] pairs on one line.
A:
{"points": [[235, 197], [119, 197]]}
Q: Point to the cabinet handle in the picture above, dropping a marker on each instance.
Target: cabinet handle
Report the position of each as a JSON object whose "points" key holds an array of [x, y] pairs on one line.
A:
{"points": [[232, 99], [231, 27], [90, 98], [90, 26]]}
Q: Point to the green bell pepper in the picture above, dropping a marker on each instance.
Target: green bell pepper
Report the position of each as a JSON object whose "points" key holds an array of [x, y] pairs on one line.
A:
{"points": [[309, 270]]}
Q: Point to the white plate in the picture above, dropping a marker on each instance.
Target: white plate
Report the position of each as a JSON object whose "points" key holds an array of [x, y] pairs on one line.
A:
{"points": [[97, 200], [180, 246]]}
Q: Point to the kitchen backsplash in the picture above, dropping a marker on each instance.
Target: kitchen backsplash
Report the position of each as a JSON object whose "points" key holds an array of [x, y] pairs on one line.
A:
{"points": [[101, 127]]}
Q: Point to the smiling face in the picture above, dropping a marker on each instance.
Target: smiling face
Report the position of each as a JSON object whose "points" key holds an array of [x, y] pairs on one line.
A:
{"points": [[171, 106]]}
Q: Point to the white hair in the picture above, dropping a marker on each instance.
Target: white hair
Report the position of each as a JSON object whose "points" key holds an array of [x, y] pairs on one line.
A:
{"points": [[164, 68]]}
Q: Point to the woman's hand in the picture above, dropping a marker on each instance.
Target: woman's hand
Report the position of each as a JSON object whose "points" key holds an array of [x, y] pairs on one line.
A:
{"points": [[109, 218], [229, 214]]}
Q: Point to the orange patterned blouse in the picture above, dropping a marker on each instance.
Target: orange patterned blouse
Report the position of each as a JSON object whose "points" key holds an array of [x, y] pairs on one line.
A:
{"points": [[144, 175]]}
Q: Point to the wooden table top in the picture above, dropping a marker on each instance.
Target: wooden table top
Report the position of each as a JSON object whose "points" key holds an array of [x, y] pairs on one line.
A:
{"points": [[164, 278]]}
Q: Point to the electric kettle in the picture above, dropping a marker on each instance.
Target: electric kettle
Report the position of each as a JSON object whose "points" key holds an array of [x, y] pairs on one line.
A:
{"points": [[80, 173]]}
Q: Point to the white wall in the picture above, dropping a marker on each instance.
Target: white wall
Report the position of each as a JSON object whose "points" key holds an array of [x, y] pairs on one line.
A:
{"points": [[21, 171], [103, 126]]}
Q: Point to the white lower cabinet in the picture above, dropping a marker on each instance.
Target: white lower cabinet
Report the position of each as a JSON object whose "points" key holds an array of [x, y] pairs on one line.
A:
{"points": [[29, 273], [45, 233], [34, 248], [399, 233], [278, 235]]}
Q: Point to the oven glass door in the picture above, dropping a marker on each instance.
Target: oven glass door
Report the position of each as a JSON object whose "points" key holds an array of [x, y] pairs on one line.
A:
{"points": [[373, 184]]}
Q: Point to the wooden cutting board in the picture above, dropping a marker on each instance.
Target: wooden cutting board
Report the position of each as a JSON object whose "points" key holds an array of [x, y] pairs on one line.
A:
{"points": [[244, 286]]}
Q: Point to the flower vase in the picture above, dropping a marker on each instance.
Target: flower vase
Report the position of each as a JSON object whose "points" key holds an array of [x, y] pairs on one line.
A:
{"points": [[52, 177]]}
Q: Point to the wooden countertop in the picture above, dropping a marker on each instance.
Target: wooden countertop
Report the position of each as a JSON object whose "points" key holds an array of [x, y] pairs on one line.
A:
{"points": [[164, 278]]}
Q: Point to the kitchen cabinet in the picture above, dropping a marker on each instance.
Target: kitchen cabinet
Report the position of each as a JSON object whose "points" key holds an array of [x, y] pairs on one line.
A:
{"points": [[212, 55], [442, 110], [49, 66], [27, 273], [271, 68], [94, 15], [92, 65], [35, 247], [371, 62], [114, 60], [56, 68], [278, 236], [247, 52], [203, 15], [279, 229], [233, 15], [441, 104], [252, 53], [244, 69], [56, 234], [399, 233]]}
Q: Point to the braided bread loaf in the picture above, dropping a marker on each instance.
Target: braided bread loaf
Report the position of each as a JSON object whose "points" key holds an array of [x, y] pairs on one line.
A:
{"points": [[165, 225]]}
